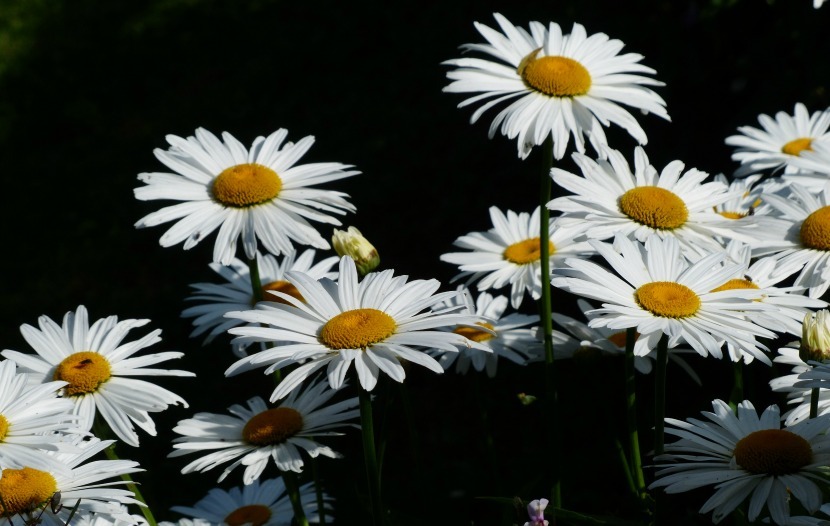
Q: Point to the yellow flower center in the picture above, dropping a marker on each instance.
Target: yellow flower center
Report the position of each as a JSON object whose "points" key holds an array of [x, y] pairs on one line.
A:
{"points": [[246, 185], [4, 427], [655, 207], [796, 146], [253, 514], [476, 335], [85, 371], [773, 452], [815, 230], [733, 215], [357, 329], [272, 426], [527, 251], [667, 299], [281, 286], [555, 76], [734, 284], [25, 490]]}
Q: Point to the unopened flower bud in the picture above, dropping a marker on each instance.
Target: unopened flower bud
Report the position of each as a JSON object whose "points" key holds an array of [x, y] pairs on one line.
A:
{"points": [[815, 337], [352, 243]]}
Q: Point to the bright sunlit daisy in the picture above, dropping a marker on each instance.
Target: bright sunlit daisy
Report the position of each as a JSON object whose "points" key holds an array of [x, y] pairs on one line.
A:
{"points": [[781, 141], [376, 323], [263, 503], [97, 367], [747, 457], [256, 433], [256, 194], [216, 300], [510, 254], [661, 293], [610, 198], [563, 85]]}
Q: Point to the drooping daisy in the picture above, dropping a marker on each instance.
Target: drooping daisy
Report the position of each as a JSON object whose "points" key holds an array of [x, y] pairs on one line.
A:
{"points": [[236, 294], [249, 194], [81, 484], [798, 397], [263, 503], [609, 198], [563, 85], [662, 293], [375, 323], [256, 433], [747, 456], [510, 253], [781, 141], [97, 367], [510, 337]]}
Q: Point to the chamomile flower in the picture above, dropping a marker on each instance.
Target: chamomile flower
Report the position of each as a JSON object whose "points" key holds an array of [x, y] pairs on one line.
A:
{"points": [[255, 433], [263, 503], [375, 324], [662, 293], [510, 254], [747, 457], [216, 300], [256, 195], [97, 368], [562, 85], [781, 141], [609, 198]]}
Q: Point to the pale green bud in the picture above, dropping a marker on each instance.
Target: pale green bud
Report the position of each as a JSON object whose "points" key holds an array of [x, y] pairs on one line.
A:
{"points": [[352, 243], [815, 337]]}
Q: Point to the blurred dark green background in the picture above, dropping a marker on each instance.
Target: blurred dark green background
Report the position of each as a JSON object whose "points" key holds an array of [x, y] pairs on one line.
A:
{"points": [[89, 88]]}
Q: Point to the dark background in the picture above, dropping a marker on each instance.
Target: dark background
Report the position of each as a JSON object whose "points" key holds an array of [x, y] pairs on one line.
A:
{"points": [[89, 88]]}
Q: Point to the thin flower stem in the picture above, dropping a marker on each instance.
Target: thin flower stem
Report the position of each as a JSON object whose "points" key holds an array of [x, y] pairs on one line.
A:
{"points": [[737, 394], [369, 454], [293, 489], [318, 488], [636, 475], [814, 396], [660, 393], [626, 468], [551, 396]]}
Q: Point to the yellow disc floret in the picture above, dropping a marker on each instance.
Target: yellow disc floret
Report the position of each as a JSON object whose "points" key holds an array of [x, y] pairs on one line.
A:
{"points": [[815, 230], [85, 371], [796, 146], [476, 335], [357, 329], [246, 185], [555, 76], [527, 251], [667, 299], [734, 284], [25, 490], [734, 215], [653, 206], [280, 286], [773, 452], [273, 426], [4, 428], [253, 514]]}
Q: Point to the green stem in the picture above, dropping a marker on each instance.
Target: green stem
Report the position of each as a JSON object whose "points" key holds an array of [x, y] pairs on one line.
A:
{"points": [[318, 489], [814, 396], [737, 394], [636, 475], [370, 456], [660, 393], [626, 468], [292, 486]]}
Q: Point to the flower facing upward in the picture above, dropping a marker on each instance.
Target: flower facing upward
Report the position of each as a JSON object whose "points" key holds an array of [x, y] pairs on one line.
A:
{"points": [[97, 367], [747, 456], [252, 194], [563, 85], [352, 243], [255, 433], [815, 337], [375, 323]]}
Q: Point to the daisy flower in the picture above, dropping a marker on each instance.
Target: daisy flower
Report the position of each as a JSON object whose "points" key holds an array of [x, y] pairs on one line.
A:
{"points": [[256, 433], [216, 300], [800, 397], [814, 165], [510, 253], [97, 367], [260, 503], [662, 293], [562, 85], [375, 323], [747, 456], [781, 141], [249, 194], [81, 484], [610, 198], [508, 336]]}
